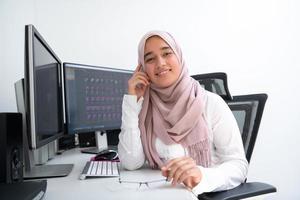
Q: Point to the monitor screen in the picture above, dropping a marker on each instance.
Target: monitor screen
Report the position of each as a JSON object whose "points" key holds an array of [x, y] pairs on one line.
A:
{"points": [[94, 97], [43, 90]]}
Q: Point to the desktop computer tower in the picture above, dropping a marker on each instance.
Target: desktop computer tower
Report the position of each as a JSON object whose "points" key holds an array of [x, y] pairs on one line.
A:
{"points": [[11, 148]]}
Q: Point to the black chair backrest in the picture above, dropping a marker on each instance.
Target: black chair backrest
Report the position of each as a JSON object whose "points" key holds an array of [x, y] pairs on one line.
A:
{"points": [[215, 82], [248, 110]]}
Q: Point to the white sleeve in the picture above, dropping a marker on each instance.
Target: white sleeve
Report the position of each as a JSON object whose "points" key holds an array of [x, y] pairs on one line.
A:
{"points": [[130, 147], [231, 167]]}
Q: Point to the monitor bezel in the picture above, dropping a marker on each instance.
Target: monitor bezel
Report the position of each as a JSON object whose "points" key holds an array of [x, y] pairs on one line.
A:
{"points": [[93, 67], [31, 33]]}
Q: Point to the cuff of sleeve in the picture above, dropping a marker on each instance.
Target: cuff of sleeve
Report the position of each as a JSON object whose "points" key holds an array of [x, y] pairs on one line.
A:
{"points": [[202, 186], [132, 102], [130, 110], [208, 183]]}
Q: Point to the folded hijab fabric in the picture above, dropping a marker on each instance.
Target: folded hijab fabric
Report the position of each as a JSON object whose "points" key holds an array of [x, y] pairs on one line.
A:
{"points": [[173, 114]]}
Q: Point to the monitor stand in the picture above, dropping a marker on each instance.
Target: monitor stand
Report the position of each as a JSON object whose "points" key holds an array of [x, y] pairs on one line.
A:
{"points": [[36, 168], [48, 171], [101, 143]]}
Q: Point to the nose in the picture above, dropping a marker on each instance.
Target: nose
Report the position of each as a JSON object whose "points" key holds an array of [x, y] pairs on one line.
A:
{"points": [[161, 61]]}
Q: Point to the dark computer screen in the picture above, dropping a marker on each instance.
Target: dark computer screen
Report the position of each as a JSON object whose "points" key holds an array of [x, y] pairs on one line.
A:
{"points": [[47, 112], [94, 97], [43, 90]]}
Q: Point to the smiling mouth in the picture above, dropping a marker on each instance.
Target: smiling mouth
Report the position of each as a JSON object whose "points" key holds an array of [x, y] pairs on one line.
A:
{"points": [[163, 72]]}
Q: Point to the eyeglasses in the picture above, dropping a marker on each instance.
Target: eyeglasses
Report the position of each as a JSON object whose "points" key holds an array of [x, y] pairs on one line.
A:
{"points": [[152, 184], [138, 184]]}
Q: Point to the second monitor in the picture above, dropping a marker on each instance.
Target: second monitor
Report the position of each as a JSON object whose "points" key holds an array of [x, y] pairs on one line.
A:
{"points": [[93, 97]]}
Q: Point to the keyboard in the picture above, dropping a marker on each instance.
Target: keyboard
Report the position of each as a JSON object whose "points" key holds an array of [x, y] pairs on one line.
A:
{"points": [[100, 169]]}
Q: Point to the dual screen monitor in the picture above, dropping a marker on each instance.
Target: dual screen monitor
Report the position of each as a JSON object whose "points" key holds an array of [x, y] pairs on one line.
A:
{"points": [[65, 98]]}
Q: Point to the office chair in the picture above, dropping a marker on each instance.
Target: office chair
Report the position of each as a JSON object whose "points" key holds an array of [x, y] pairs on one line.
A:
{"points": [[247, 110], [215, 82]]}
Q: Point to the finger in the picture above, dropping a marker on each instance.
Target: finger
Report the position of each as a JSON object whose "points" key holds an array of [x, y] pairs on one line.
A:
{"points": [[182, 171], [164, 171], [173, 169], [142, 74], [137, 76], [177, 166], [141, 84], [141, 79], [135, 80], [189, 173], [192, 177], [138, 68], [185, 166], [173, 161], [190, 168], [188, 183]]}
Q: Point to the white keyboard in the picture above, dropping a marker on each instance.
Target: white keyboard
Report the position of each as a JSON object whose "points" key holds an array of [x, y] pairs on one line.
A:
{"points": [[100, 169]]}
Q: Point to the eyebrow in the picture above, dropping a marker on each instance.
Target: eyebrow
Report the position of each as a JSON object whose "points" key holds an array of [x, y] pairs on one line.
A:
{"points": [[149, 53]]}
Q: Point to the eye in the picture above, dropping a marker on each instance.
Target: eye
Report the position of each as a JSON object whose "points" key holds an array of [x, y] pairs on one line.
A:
{"points": [[148, 60], [167, 53]]}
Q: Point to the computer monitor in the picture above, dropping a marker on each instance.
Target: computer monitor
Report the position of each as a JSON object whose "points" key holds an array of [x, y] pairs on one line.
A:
{"points": [[40, 100], [93, 99]]}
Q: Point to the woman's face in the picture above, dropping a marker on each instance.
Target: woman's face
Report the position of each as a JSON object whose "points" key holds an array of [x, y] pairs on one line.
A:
{"points": [[161, 63]]}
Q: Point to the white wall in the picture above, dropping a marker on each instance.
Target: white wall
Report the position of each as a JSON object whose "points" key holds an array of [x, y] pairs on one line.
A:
{"points": [[255, 42]]}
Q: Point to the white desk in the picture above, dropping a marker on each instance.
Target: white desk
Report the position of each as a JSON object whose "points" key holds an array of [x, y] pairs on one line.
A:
{"points": [[71, 188]]}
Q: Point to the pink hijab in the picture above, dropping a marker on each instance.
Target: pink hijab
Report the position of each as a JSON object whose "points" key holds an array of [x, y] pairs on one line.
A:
{"points": [[173, 114]]}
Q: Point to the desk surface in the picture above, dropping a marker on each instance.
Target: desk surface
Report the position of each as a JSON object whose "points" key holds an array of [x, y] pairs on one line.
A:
{"points": [[71, 187]]}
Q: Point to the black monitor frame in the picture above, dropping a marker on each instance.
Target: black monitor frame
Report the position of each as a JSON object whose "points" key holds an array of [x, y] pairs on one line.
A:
{"points": [[100, 130], [30, 94], [25, 94]]}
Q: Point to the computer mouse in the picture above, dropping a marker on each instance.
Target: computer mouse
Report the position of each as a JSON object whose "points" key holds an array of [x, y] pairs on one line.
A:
{"points": [[109, 154]]}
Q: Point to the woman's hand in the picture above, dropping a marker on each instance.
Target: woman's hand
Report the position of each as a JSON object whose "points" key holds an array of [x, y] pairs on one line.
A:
{"points": [[138, 83], [182, 170]]}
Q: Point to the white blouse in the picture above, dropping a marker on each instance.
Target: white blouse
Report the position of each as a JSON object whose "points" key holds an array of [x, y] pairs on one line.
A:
{"points": [[229, 165]]}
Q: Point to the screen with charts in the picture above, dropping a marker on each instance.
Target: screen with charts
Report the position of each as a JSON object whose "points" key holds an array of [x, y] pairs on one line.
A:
{"points": [[93, 97]]}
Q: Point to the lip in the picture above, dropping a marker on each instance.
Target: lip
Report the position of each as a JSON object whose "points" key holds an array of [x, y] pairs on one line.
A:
{"points": [[162, 72]]}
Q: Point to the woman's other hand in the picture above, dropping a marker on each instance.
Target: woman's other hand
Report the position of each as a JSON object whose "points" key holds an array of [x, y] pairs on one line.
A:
{"points": [[182, 170], [138, 83]]}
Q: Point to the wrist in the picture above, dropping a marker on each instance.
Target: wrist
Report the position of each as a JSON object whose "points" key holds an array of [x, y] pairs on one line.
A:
{"points": [[131, 91]]}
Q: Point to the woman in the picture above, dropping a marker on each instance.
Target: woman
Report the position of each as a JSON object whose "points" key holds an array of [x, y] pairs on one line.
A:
{"points": [[175, 125]]}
